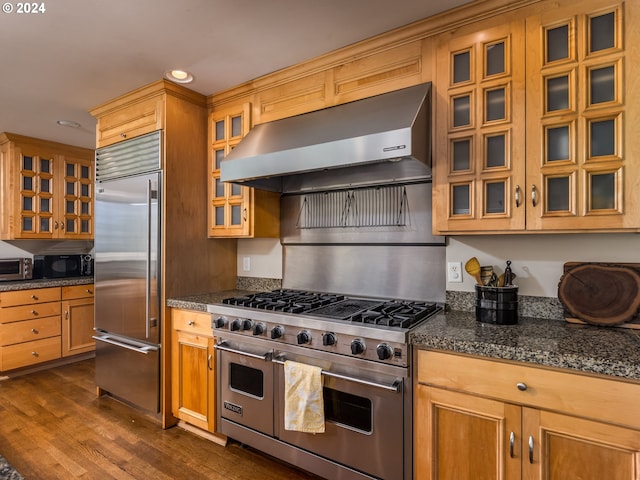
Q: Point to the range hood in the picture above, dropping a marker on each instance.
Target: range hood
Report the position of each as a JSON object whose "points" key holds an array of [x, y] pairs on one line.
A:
{"points": [[378, 140]]}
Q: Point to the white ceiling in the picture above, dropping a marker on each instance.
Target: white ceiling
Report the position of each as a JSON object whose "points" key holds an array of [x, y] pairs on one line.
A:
{"points": [[80, 53]]}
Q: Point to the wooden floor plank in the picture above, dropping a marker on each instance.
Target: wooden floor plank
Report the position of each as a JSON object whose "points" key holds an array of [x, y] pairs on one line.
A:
{"points": [[52, 426]]}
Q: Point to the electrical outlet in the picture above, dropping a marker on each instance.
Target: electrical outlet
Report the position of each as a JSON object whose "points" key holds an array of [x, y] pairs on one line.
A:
{"points": [[246, 264], [454, 272]]}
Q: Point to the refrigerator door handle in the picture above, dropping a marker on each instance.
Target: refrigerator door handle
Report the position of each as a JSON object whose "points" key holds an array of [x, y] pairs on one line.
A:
{"points": [[139, 349], [148, 279]]}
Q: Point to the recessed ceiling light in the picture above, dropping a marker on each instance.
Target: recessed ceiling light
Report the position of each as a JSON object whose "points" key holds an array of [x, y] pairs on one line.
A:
{"points": [[68, 123], [178, 76]]}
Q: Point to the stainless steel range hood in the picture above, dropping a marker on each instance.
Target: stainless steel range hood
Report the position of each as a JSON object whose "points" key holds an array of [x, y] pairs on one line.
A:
{"points": [[378, 140]]}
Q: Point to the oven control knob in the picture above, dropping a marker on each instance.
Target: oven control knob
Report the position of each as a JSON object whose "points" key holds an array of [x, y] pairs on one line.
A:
{"points": [[357, 347], [219, 322], [277, 332], [304, 337], [329, 338], [258, 329], [384, 351], [235, 325], [247, 324]]}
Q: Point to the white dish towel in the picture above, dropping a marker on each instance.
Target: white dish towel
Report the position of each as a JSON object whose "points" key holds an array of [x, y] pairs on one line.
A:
{"points": [[303, 399]]}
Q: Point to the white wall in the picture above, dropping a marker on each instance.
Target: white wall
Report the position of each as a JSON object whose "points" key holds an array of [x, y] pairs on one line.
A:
{"points": [[265, 257], [538, 260], [9, 251]]}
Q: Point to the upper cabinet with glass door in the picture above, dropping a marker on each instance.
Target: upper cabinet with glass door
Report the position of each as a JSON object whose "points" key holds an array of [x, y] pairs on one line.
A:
{"points": [[582, 122], [234, 210], [47, 189], [479, 165]]}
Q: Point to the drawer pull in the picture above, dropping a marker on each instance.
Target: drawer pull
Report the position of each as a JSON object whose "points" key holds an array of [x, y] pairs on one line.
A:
{"points": [[89, 291], [34, 331], [530, 449], [191, 323], [512, 441], [34, 297], [521, 386], [33, 312], [35, 354]]}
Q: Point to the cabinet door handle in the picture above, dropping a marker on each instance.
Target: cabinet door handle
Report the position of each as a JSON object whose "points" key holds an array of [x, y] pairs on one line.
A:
{"points": [[209, 364], [530, 449], [61, 225], [512, 441], [534, 195], [66, 314], [244, 214], [518, 196], [55, 225]]}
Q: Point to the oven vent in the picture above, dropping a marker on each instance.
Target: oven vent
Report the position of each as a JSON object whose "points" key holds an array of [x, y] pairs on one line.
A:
{"points": [[382, 206]]}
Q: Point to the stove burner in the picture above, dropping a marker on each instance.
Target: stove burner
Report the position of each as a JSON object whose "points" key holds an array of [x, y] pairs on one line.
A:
{"points": [[284, 300], [396, 313], [391, 313]]}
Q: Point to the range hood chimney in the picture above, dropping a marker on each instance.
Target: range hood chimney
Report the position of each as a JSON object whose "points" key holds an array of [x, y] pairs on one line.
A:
{"points": [[378, 140]]}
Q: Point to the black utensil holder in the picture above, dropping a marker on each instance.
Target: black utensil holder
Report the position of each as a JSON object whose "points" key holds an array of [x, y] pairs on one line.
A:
{"points": [[498, 305]]}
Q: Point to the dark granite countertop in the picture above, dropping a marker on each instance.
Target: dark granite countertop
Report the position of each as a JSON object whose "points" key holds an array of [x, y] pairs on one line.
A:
{"points": [[551, 343], [44, 283]]}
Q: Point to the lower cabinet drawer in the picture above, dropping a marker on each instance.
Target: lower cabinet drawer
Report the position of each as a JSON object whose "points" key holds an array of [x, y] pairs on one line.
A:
{"points": [[191, 321], [28, 330], [29, 312], [29, 353]]}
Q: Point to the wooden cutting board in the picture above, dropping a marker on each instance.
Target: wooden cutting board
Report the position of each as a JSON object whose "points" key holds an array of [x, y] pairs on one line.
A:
{"points": [[605, 294]]}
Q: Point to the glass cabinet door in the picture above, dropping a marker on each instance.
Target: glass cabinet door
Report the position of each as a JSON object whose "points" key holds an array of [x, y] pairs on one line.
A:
{"points": [[229, 207], [575, 173], [480, 167]]}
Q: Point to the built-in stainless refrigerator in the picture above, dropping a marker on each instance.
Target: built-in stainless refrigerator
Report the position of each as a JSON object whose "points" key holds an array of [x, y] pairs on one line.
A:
{"points": [[127, 255]]}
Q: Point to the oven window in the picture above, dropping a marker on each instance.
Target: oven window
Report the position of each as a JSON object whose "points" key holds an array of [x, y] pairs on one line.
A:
{"points": [[9, 268], [347, 409], [246, 380]]}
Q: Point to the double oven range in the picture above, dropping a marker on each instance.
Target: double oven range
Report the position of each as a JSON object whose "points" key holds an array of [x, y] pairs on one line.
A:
{"points": [[361, 345]]}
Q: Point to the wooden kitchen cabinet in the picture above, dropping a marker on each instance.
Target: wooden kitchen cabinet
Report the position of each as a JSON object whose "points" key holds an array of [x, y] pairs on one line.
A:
{"points": [[479, 167], [478, 418], [77, 320], [236, 211], [46, 190], [30, 327], [563, 159], [129, 119], [582, 166], [193, 365]]}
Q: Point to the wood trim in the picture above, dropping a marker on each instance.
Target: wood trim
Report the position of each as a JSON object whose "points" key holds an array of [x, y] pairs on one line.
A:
{"points": [[417, 31]]}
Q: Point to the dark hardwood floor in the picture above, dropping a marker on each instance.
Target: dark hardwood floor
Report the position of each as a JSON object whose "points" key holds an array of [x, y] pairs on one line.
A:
{"points": [[52, 426]]}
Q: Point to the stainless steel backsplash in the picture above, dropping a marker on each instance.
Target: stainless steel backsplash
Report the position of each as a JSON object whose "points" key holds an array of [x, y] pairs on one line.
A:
{"points": [[371, 241]]}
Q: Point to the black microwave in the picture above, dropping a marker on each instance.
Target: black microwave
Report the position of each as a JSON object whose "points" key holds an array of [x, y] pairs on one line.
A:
{"points": [[61, 266]]}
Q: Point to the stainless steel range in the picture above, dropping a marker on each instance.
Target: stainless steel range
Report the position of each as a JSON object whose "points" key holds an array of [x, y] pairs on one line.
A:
{"points": [[355, 218], [361, 345]]}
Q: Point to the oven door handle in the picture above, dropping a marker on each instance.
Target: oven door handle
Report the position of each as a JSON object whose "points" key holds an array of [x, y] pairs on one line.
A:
{"points": [[223, 346], [394, 387]]}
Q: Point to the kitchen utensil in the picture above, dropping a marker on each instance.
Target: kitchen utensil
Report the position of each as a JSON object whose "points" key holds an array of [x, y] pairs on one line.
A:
{"points": [[473, 268], [508, 275], [600, 294]]}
